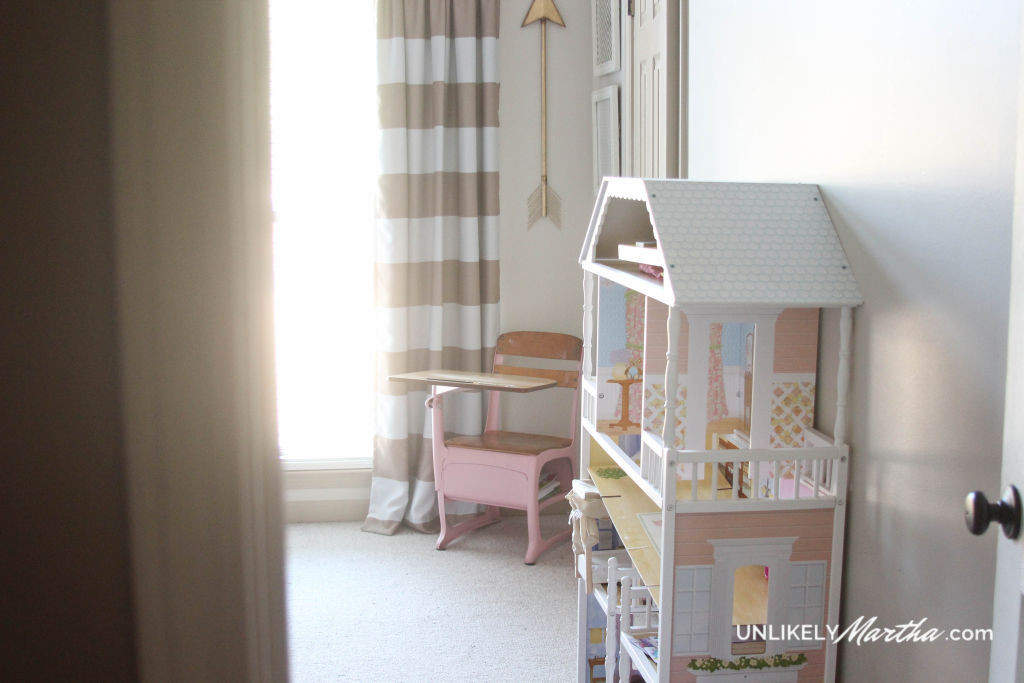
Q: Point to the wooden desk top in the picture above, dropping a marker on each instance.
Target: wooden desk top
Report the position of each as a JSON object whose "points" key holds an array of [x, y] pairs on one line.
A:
{"points": [[475, 380]]}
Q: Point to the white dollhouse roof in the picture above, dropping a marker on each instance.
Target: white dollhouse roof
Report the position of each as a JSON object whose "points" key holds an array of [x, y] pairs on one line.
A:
{"points": [[720, 243]]}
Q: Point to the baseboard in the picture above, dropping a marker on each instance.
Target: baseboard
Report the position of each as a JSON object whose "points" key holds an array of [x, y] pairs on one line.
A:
{"points": [[326, 511], [326, 495]]}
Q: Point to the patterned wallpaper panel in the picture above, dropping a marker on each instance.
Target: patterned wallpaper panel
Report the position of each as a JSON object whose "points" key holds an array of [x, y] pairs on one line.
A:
{"points": [[792, 411], [654, 410]]}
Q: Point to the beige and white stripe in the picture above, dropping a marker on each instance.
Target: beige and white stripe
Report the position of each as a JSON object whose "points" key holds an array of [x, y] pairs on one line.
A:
{"points": [[436, 259]]}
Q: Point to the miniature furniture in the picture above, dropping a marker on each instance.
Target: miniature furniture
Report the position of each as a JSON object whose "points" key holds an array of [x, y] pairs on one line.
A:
{"points": [[732, 508], [503, 468], [585, 515], [638, 622], [627, 605], [604, 574]]}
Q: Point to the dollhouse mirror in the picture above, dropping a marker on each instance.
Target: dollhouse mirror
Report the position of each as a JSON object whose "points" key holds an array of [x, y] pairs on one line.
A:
{"points": [[730, 379], [620, 365]]}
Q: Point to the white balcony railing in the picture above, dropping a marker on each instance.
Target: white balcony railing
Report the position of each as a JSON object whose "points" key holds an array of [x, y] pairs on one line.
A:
{"points": [[766, 474], [590, 400], [806, 476], [651, 460]]}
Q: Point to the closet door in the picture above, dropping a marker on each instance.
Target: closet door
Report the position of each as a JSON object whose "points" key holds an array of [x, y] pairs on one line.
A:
{"points": [[657, 127], [605, 131]]}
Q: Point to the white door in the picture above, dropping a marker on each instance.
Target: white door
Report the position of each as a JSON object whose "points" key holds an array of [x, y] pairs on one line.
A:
{"points": [[1007, 659], [655, 86]]}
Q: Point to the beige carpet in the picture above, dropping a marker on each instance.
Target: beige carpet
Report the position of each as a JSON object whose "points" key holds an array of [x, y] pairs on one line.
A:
{"points": [[365, 607]]}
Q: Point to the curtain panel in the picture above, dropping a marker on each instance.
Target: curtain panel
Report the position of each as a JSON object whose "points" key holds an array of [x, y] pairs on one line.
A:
{"points": [[436, 256]]}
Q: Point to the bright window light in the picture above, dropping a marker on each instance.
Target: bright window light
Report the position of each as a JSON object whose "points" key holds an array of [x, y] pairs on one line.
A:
{"points": [[324, 170]]}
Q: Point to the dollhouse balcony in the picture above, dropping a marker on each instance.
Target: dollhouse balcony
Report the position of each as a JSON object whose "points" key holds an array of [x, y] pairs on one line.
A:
{"points": [[733, 477], [784, 478]]}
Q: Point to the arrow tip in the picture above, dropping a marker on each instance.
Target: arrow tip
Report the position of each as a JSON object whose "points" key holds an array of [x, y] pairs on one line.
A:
{"points": [[543, 10]]}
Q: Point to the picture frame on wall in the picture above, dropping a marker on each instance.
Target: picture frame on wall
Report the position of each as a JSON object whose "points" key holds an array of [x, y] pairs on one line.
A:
{"points": [[604, 16], [605, 132]]}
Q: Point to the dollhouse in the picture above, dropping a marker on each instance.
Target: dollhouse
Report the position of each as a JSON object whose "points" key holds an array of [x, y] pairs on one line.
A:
{"points": [[701, 315]]}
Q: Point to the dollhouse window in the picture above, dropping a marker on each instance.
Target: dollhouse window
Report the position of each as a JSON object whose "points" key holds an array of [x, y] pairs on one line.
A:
{"points": [[692, 617], [736, 560], [749, 609], [806, 598]]}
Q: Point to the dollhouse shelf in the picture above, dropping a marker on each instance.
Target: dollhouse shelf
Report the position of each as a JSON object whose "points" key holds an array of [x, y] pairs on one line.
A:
{"points": [[647, 667], [641, 660], [624, 501], [641, 253], [628, 273]]}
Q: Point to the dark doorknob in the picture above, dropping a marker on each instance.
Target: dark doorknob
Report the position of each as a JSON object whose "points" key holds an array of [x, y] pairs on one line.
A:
{"points": [[979, 512]]}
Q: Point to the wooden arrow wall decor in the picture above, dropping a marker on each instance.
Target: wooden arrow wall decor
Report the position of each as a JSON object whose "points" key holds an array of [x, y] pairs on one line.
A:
{"points": [[544, 201]]}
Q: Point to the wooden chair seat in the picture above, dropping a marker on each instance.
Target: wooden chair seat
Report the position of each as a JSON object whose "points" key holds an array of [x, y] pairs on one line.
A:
{"points": [[510, 442]]}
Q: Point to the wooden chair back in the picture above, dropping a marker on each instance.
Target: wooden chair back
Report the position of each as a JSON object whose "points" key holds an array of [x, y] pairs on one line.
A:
{"points": [[547, 345], [554, 348]]}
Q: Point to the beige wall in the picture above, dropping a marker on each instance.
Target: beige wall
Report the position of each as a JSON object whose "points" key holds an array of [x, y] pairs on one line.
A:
{"points": [[541, 281], [67, 602], [904, 113]]}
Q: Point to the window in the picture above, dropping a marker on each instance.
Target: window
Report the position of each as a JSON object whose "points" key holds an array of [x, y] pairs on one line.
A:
{"points": [[691, 619], [806, 599], [323, 158], [749, 609], [732, 554]]}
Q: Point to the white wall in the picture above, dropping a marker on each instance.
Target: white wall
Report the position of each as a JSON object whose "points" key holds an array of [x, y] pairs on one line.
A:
{"points": [[541, 281], [904, 113]]}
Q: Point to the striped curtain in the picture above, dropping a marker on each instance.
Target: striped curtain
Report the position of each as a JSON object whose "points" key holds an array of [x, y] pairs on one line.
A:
{"points": [[437, 235]]}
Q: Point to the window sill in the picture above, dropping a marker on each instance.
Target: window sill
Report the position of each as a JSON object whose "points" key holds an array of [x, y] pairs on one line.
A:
{"points": [[296, 465]]}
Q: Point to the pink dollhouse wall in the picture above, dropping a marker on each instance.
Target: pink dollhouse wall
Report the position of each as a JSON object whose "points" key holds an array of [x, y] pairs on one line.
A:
{"points": [[812, 528], [796, 340]]}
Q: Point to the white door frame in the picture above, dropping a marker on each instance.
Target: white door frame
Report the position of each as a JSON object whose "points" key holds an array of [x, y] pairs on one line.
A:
{"points": [[190, 130], [1006, 660]]}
